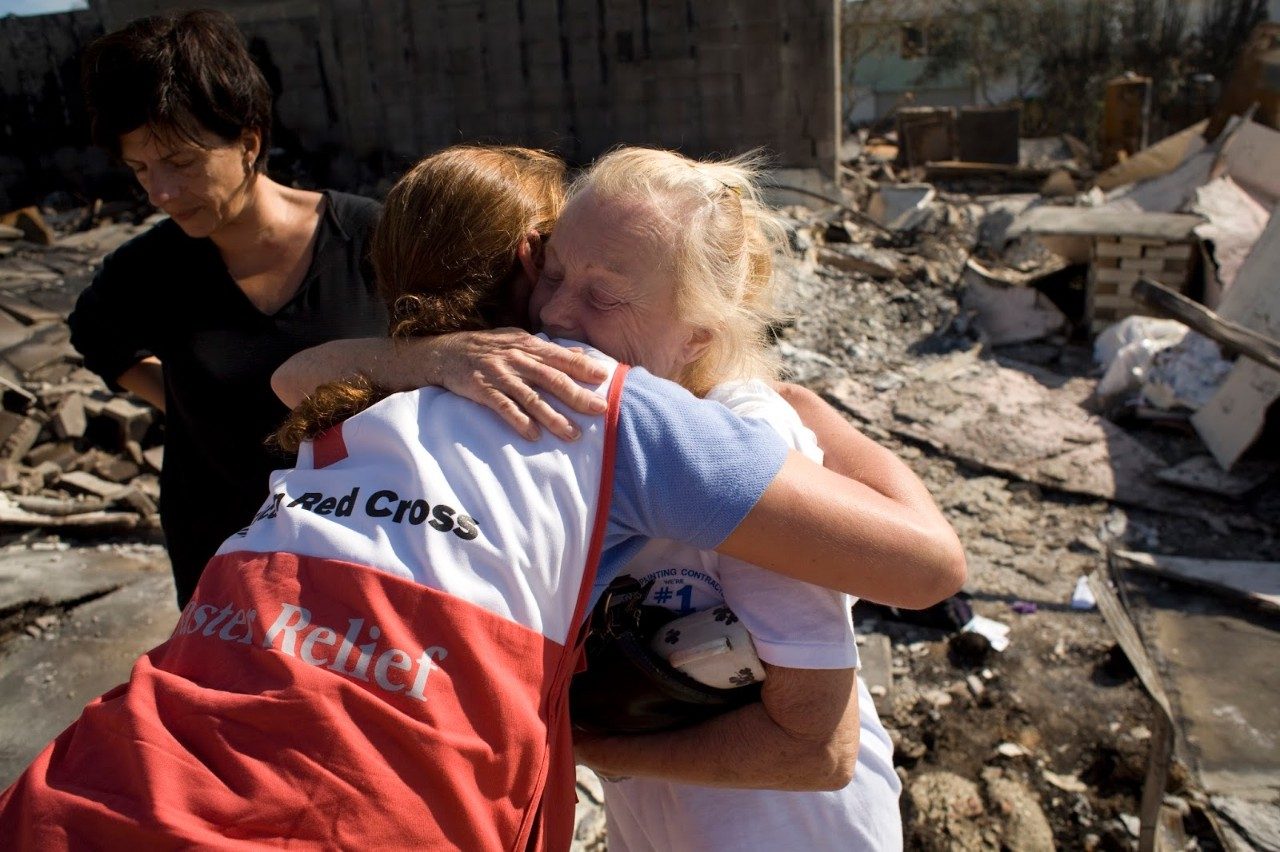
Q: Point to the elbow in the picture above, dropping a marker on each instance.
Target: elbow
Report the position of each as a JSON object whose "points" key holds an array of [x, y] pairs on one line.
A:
{"points": [[953, 567], [839, 771], [827, 763], [944, 570], [832, 768]]}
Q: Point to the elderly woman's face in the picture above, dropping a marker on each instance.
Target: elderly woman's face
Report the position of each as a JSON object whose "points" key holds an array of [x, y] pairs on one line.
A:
{"points": [[607, 283], [200, 187]]}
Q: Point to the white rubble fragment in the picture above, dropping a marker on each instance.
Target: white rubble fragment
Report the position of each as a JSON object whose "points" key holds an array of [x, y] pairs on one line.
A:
{"points": [[1082, 596], [1185, 375], [1065, 783], [1125, 350], [1011, 750], [995, 632]]}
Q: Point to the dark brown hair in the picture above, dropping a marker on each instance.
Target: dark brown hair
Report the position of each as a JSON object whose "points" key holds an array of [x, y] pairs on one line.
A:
{"points": [[180, 74], [444, 256]]}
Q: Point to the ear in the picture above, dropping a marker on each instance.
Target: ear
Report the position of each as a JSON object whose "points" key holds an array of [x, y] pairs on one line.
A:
{"points": [[696, 344], [251, 140], [531, 255]]}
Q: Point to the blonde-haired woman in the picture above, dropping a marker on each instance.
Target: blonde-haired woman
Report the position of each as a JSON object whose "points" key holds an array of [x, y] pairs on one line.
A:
{"points": [[667, 263]]}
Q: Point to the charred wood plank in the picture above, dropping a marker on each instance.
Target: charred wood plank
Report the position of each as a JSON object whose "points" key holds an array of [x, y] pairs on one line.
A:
{"points": [[1247, 342]]}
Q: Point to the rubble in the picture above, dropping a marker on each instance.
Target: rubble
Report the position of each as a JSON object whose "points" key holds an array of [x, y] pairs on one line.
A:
{"points": [[1232, 420], [1009, 310], [941, 812], [1201, 656], [66, 442], [29, 224], [963, 403], [1026, 827], [901, 207], [1201, 473]]}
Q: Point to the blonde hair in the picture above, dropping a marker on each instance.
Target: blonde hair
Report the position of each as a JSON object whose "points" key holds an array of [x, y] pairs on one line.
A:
{"points": [[723, 239], [444, 256]]}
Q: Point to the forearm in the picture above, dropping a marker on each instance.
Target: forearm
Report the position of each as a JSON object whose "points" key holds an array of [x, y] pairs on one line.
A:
{"points": [[807, 740], [506, 370], [333, 361], [145, 379], [814, 525], [850, 453]]}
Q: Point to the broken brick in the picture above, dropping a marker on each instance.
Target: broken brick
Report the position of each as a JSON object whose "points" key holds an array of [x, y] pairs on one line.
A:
{"points": [[32, 225], [61, 453], [133, 449], [149, 485], [87, 483], [47, 344], [115, 469], [134, 420], [14, 397], [139, 502], [27, 312], [18, 434], [69, 420]]}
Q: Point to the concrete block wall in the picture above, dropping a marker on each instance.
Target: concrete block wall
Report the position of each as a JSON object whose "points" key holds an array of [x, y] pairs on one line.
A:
{"points": [[395, 79]]}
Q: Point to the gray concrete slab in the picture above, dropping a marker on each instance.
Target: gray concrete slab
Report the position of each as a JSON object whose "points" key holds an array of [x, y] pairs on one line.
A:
{"points": [[51, 578], [46, 680]]}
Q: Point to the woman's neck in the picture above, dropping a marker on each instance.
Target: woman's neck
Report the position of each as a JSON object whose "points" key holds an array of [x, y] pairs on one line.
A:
{"points": [[265, 215]]}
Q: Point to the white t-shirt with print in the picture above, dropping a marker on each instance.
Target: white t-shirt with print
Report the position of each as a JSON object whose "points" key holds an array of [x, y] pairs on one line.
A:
{"points": [[795, 625]]}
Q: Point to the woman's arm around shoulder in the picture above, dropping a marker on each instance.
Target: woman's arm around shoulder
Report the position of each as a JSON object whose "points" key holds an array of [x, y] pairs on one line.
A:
{"points": [[815, 525], [507, 370], [690, 470]]}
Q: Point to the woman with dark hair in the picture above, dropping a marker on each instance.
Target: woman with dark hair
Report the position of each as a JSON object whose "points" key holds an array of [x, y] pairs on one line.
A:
{"points": [[195, 314]]}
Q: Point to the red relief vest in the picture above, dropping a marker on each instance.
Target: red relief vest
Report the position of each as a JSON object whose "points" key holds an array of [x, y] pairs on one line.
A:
{"points": [[379, 661]]}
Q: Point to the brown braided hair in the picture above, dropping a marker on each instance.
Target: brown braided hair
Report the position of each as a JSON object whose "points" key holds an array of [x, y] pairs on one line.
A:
{"points": [[444, 257]]}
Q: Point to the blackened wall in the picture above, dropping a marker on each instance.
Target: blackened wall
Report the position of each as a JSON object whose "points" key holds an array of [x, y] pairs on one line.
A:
{"points": [[43, 131], [381, 82]]}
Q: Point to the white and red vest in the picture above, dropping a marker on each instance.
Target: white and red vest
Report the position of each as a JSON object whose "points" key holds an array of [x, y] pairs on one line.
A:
{"points": [[379, 660]]}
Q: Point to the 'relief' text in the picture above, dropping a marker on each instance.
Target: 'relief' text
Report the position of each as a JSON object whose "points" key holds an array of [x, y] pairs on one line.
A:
{"points": [[356, 652]]}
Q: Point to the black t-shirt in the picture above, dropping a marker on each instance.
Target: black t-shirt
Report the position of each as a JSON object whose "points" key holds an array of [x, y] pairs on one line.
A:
{"points": [[166, 294]]}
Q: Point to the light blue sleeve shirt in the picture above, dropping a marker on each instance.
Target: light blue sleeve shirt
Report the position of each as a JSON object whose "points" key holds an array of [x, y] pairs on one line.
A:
{"points": [[685, 469]]}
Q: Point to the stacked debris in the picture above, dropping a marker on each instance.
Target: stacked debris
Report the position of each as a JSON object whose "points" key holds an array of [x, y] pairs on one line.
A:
{"points": [[1183, 229], [73, 455], [1182, 232]]}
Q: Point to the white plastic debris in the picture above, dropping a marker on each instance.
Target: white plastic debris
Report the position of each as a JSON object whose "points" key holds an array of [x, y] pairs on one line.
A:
{"points": [[1185, 375], [995, 632], [1082, 598], [1125, 351]]}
